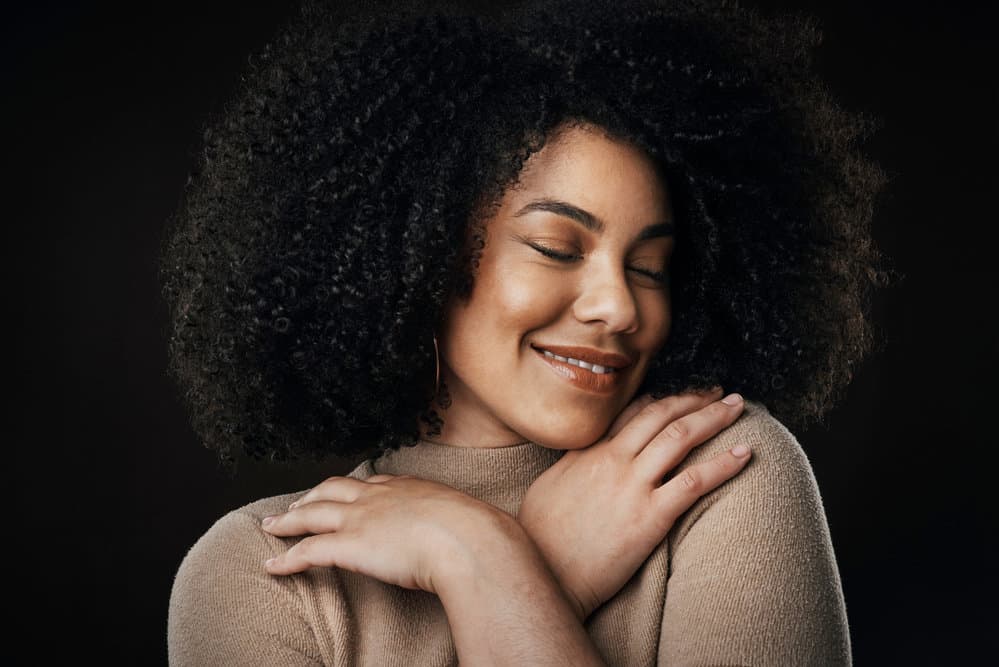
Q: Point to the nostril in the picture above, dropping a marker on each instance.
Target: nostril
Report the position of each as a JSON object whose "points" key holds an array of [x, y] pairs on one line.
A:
{"points": [[614, 305]]}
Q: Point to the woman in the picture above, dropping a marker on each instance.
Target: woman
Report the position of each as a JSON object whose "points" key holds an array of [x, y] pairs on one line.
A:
{"points": [[509, 258]]}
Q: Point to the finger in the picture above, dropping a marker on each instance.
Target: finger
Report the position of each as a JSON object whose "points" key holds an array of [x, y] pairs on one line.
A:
{"points": [[628, 413], [639, 404], [321, 516], [316, 551], [338, 488], [665, 451], [678, 495], [655, 416]]}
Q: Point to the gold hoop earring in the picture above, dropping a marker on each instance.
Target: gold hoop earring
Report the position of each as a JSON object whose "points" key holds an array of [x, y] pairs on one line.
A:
{"points": [[437, 367]]}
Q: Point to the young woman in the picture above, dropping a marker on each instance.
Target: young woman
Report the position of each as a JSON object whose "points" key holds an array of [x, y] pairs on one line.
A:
{"points": [[507, 258]]}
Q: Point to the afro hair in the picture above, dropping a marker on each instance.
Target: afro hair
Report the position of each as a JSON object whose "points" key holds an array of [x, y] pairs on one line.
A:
{"points": [[330, 215]]}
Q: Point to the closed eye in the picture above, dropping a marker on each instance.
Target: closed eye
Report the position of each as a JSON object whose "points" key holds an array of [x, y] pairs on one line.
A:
{"points": [[555, 254], [660, 277]]}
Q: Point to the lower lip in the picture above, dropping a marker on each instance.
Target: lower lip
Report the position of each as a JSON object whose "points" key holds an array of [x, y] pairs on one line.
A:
{"points": [[597, 383]]}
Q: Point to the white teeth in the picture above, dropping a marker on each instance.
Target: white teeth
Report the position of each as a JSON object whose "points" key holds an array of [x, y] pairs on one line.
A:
{"points": [[596, 368]]}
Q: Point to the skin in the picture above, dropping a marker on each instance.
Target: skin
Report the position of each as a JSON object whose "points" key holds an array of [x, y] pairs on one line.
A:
{"points": [[517, 589], [602, 298]]}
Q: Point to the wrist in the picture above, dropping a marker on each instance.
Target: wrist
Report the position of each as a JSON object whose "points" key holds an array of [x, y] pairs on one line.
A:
{"points": [[501, 560], [497, 551], [502, 594], [501, 599], [574, 593], [576, 600]]}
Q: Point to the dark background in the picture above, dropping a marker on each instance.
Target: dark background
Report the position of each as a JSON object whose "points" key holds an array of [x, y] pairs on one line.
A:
{"points": [[101, 115]]}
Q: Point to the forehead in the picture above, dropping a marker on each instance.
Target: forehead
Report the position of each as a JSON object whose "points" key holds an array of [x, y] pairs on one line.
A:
{"points": [[606, 176]]}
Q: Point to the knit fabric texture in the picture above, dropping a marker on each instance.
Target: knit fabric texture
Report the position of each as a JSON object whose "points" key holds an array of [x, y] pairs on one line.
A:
{"points": [[747, 576]]}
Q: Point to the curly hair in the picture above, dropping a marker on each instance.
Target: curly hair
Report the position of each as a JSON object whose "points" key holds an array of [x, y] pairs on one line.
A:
{"points": [[332, 212]]}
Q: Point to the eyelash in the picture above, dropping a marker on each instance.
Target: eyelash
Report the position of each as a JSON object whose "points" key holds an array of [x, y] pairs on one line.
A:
{"points": [[658, 276]]}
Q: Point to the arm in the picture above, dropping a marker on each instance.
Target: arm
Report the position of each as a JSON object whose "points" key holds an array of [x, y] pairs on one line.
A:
{"points": [[225, 610], [505, 607], [753, 576]]}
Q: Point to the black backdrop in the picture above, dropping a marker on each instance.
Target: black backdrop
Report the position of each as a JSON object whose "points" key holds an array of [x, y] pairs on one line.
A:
{"points": [[101, 113]]}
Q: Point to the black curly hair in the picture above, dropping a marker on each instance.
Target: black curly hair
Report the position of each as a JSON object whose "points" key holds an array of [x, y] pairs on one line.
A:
{"points": [[332, 212]]}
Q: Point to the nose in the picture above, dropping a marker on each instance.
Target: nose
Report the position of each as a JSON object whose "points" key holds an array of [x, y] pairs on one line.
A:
{"points": [[606, 297]]}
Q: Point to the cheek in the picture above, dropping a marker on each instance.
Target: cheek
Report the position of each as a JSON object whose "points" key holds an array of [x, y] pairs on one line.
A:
{"points": [[506, 304], [656, 324], [524, 298], [657, 320]]}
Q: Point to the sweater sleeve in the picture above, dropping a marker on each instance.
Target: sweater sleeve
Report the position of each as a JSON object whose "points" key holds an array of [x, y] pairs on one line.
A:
{"points": [[753, 576], [225, 609]]}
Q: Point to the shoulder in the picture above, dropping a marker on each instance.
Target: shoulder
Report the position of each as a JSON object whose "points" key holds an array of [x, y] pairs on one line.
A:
{"points": [[225, 608], [239, 531], [774, 448], [778, 471], [758, 547], [229, 555]]}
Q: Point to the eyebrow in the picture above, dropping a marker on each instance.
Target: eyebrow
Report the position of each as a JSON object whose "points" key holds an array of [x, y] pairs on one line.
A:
{"points": [[587, 219]]}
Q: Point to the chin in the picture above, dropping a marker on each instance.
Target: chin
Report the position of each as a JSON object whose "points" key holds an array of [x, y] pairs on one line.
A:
{"points": [[568, 437]]}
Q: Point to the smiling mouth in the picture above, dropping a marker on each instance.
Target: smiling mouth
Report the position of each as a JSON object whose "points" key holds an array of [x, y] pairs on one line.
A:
{"points": [[588, 358], [593, 368]]}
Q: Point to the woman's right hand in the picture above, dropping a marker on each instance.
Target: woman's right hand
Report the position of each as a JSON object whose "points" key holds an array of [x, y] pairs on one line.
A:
{"points": [[599, 512]]}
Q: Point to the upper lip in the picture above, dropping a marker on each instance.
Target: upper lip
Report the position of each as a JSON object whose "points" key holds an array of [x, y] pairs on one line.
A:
{"points": [[588, 354]]}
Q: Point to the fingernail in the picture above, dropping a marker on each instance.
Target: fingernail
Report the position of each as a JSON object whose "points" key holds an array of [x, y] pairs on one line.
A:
{"points": [[270, 561], [739, 451], [268, 520], [293, 505], [732, 399]]}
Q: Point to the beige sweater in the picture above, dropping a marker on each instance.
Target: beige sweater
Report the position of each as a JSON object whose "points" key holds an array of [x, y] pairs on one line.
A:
{"points": [[746, 577]]}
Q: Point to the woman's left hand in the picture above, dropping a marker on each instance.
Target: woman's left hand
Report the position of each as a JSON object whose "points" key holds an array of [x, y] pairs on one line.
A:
{"points": [[598, 512], [402, 530]]}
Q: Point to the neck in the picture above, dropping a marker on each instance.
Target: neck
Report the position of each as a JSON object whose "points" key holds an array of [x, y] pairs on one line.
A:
{"points": [[455, 427], [497, 475], [474, 439]]}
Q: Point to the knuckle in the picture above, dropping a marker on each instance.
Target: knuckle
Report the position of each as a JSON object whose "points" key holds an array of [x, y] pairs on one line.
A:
{"points": [[293, 554], [678, 430], [708, 396], [327, 486], [305, 550], [720, 411], [664, 408], [726, 464], [690, 480], [643, 402]]}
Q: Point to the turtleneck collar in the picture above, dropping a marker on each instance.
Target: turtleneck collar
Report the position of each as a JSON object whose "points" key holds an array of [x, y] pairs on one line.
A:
{"points": [[496, 475]]}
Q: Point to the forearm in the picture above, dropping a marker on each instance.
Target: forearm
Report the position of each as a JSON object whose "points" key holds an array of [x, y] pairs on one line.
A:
{"points": [[505, 607], [561, 573]]}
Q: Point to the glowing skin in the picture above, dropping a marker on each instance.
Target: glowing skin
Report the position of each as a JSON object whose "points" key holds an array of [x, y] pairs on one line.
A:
{"points": [[599, 296]]}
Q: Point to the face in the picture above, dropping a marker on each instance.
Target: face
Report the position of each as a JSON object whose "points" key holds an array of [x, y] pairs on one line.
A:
{"points": [[570, 302]]}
